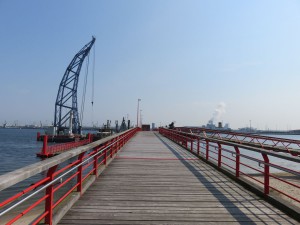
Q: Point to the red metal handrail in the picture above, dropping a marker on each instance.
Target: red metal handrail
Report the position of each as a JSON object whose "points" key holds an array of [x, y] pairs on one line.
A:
{"points": [[216, 151], [48, 151], [59, 184], [266, 142]]}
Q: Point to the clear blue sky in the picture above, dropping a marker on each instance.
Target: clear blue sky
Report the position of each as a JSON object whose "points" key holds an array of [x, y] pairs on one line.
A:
{"points": [[182, 58]]}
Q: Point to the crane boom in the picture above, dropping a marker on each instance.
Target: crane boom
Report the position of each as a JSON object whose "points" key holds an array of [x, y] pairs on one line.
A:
{"points": [[66, 109]]}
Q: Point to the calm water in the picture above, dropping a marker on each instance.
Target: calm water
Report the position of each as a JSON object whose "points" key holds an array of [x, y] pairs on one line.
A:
{"points": [[18, 148]]}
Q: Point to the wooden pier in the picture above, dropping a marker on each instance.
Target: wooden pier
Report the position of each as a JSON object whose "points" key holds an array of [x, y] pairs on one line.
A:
{"points": [[155, 181]]}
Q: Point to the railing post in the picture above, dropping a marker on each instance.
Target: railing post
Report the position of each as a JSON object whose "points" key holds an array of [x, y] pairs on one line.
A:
{"points": [[111, 148], [207, 150], [266, 174], [198, 146], [219, 155], [45, 145], [50, 199], [114, 145], [96, 157], [80, 172], [192, 145], [105, 155], [186, 142], [118, 143], [237, 161]]}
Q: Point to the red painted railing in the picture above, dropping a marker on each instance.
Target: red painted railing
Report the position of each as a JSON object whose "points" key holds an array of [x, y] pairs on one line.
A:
{"points": [[51, 150], [268, 172], [265, 142], [67, 176]]}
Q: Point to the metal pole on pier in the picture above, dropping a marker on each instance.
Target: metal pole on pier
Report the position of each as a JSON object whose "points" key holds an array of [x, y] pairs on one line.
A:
{"points": [[137, 114]]}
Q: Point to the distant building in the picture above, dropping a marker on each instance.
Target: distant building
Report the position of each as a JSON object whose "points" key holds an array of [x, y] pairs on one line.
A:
{"points": [[146, 127], [226, 126], [211, 125]]}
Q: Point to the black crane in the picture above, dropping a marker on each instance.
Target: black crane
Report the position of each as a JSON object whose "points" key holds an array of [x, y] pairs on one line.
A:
{"points": [[66, 109]]}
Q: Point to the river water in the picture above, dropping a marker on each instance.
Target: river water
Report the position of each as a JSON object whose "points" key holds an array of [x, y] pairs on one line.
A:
{"points": [[18, 148]]}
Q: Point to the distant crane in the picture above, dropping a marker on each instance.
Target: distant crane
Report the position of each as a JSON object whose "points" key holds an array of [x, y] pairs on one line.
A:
{"points": [[66, 109]]}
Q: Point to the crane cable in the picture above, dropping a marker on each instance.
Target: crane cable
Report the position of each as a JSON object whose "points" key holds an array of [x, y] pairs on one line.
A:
{"points": [[94, 58], [93, 82], [84, 88]]}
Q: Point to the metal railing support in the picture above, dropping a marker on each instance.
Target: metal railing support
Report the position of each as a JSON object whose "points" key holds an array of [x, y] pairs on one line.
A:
{"points": [[50, 199], [237, 161], [80, 171], [266, 174], [207, 150], [96, 157], [198, 146], [219, 155]]}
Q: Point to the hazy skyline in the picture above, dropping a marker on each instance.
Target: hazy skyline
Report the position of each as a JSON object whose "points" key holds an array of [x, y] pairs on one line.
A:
{"points": [[182, 58]]}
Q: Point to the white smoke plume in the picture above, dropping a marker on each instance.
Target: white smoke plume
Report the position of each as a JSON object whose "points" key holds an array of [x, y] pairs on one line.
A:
{"points": [[219, 111]]}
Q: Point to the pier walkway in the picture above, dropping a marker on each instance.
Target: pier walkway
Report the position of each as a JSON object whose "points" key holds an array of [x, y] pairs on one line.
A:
{"points": [[155, 181]]}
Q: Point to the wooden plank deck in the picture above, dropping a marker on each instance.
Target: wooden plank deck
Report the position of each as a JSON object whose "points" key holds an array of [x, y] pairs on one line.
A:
{"points": [[154, 181]]}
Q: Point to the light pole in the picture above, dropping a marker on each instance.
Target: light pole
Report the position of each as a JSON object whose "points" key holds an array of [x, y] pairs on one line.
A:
{"points": [[141, 118], [137, 113]]}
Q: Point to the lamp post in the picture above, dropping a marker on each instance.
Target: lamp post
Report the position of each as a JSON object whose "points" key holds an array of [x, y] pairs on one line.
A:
{"points": [[141, 122], [137, 113]]}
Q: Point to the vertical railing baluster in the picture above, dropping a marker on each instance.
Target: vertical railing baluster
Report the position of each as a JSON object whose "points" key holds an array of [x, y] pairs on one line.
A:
{"points": [[237, 161], [219, 155], [207, 150], [198, 146], [111, 148], [96, 157], [266, 174], [105, 156], [49, 202], [80, 172]]}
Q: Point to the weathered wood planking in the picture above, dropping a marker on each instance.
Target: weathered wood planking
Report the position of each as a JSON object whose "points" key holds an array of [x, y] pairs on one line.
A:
{"points": [[154, 181]]}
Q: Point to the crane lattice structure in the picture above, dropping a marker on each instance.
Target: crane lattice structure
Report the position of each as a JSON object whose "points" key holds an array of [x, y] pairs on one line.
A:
{"points": [[66, 109]]}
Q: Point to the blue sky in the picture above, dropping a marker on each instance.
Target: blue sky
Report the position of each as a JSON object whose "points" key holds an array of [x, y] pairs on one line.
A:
{"points": [[182, 58]]}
